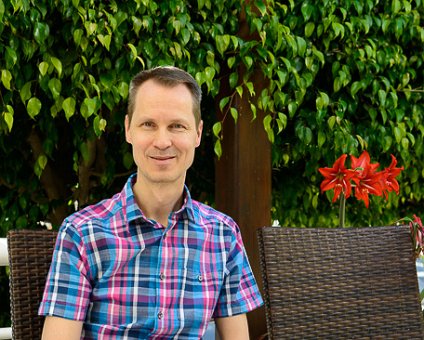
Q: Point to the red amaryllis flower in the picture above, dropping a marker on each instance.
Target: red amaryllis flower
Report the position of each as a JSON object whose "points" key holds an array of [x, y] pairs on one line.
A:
{"points": [[389, 182], [337, 178], [367, 180]]}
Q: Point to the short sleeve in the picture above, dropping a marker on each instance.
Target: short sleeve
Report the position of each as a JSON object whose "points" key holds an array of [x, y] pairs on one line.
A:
{"points": [[68, 289], [240, 293]]}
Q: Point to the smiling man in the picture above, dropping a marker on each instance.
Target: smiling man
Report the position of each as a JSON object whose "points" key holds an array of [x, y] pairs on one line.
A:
{"points": [[151, 262]]}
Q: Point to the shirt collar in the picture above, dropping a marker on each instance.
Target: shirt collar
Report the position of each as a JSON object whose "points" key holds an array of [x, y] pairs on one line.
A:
{"points": [[134, 212]]}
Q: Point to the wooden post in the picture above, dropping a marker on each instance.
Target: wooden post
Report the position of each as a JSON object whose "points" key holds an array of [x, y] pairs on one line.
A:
{"points": [[243, 186]]}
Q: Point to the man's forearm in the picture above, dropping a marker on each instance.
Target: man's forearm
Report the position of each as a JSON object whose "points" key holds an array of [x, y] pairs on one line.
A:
{"points": [[233, 327], [60, 328]]}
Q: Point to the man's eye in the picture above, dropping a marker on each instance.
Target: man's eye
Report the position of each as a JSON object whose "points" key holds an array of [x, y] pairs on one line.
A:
{"points": [[178, 126], [147, 124]]}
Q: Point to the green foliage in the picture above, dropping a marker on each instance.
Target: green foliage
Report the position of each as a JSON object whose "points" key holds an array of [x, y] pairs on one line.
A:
{"points": [[355, 82], [326, 78], [65, 67]]}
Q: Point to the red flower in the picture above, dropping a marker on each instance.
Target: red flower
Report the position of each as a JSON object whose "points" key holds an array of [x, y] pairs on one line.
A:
{"points": [[367, 180], [337, 178], [389, 182]]}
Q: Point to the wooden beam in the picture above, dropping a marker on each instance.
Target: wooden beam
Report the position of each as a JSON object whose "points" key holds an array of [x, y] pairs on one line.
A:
{"points": [[243, 186]]}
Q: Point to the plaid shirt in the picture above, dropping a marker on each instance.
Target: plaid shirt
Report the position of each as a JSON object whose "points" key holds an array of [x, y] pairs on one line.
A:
{"points": [[128, 277]]}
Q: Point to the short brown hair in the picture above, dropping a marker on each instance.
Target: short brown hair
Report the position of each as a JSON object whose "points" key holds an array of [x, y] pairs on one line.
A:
{"points": [[168, 76]]}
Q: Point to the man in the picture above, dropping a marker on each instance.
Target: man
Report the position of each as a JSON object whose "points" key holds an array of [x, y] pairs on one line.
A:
{"points": [[151, 262]]}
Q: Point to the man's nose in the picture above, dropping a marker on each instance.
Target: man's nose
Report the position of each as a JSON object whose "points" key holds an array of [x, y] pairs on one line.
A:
{"points": [[162, 139]]}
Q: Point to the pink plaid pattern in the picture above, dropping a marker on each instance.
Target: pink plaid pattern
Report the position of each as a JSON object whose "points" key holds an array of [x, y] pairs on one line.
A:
{"points": [[127, 277]]}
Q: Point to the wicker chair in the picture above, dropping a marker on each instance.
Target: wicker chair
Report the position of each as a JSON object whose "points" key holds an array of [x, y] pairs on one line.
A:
{"points": [[30, 255], [340, 283]]}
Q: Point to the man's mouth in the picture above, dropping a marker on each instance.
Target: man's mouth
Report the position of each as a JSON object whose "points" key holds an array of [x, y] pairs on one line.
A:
{"points": [[162, 158]]}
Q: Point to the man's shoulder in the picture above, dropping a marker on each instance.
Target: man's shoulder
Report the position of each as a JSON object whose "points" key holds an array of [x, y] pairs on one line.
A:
{"points": [[98, 213], [208, 214]]}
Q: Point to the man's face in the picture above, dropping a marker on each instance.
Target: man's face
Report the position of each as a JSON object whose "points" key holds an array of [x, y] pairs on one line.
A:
{"points": [[163, 133]]}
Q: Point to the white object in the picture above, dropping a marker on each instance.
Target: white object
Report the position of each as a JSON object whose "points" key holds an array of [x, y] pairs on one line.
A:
{"points": [[6, 333], [4, 257]]}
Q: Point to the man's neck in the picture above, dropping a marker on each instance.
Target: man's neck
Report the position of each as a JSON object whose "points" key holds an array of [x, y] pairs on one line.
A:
{"points": [[157, 201]]}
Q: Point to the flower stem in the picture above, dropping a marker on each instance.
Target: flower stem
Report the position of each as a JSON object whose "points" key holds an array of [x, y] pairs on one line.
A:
{"points": [[342, 210]]}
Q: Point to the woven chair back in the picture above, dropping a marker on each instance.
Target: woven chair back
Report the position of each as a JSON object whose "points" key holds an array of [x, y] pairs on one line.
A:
{"points": [[323, 283], [30, 255]]}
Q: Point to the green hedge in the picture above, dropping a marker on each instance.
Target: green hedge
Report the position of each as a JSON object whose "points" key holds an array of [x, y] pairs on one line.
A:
{"points": [[341, 76]]}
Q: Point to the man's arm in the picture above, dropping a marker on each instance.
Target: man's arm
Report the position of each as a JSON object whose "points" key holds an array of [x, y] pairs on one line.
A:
{"points": [[233, 327], [60, 328]]}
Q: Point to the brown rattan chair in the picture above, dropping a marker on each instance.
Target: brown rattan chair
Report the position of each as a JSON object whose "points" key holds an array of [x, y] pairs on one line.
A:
{"points": [[340, 283], [30, 255]]}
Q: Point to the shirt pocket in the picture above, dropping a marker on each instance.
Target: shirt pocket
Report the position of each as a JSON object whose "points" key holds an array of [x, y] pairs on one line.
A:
{"points": [[200, 294]]}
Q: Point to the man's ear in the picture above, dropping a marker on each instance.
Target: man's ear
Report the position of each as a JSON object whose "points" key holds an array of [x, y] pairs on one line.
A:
{"points": [[199, 133], [127, 130]]}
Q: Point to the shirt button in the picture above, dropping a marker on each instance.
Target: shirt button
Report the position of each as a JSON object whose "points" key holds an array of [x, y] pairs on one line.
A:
{"points": [[200, 278], [160, 315], [161, 276]]}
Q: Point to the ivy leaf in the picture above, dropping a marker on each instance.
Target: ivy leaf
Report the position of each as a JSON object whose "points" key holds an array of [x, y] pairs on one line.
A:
{"points": [[133, 50], [40, 165], [292, 108], [8, 117], [68, 106], [396, 6], [105, 40], [322, 101], [223, 102], [307, 10], [338, 29], [77, 35], [231, 61], [99, 125], [268, 128], [33, 107], [55, 87], [321, 138], [234, 114], [233, 79], [185, 35], [405, 143], [356, 86], [218, 148], [1, 10], [301, 46], [43, 67], [248, 61], [41, 32], [382, 97], [136, 24], [216, 129], [398, 134], [6, 78], [261, 6], [283, 119], [210, 74], [57, 65], [222, 43], [253, 109], [123, 90], [88, 107], [251, 88], [11, 57], [25, 92], [309, 29]]}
